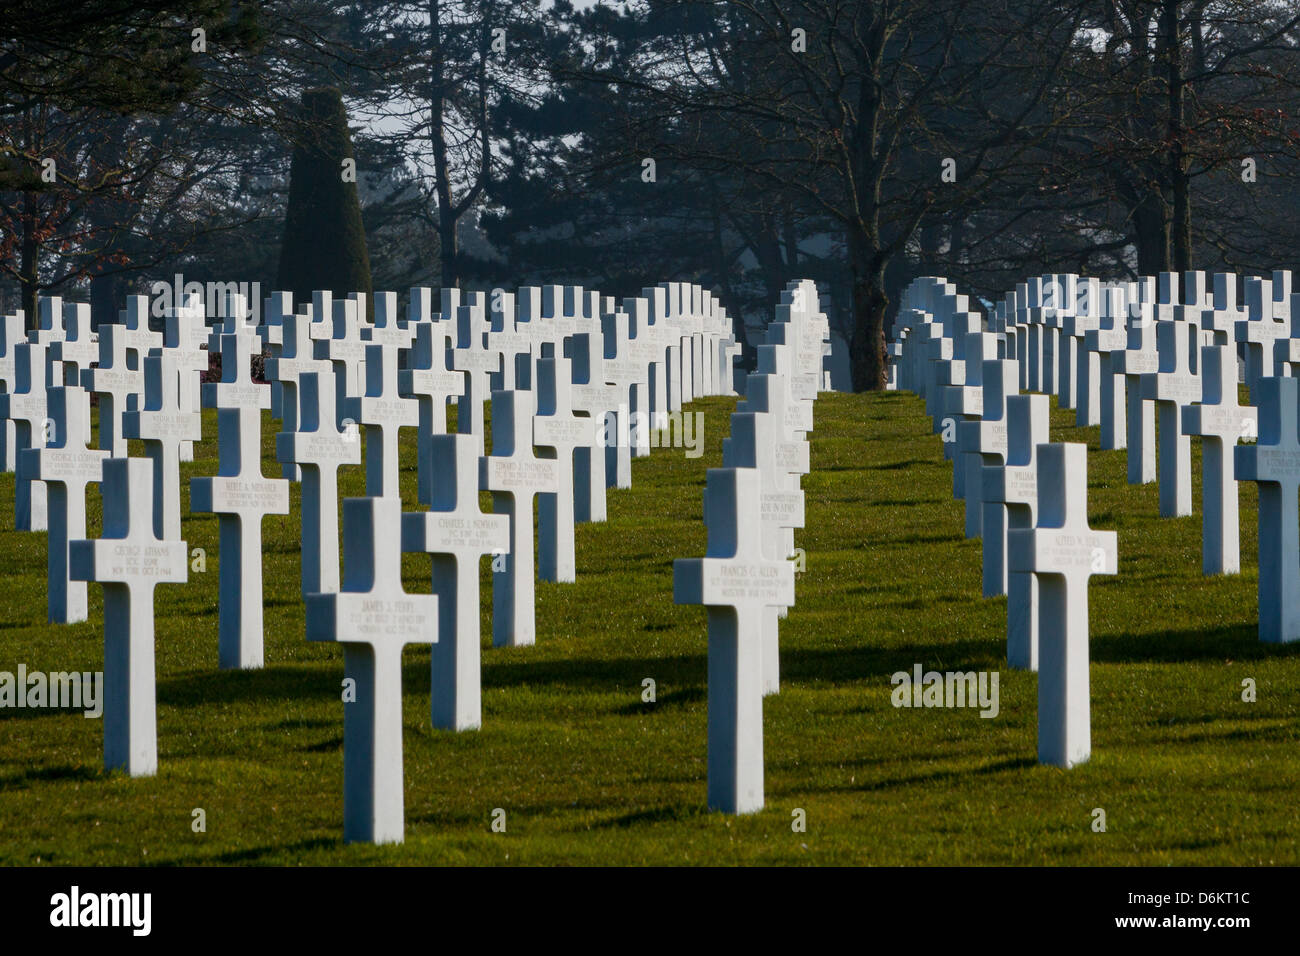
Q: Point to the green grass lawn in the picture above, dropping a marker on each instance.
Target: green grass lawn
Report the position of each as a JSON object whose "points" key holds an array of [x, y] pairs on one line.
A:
{"points": [[587, 773]]}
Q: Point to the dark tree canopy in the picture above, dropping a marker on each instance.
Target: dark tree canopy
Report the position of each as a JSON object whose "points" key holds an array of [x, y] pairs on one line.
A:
{"points": [[324, 245]]}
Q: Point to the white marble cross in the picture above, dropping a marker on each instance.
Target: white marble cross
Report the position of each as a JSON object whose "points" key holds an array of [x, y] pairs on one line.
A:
{"points": [[49, 322], [319, 447], [1259, 331], [479, 365], [770, 393], [129, 560], [1011, 501], [373, 618], [388, 329], [592, 397], [514, 475], [560, 432], [12, 334], [965, 403], [292, 359], [66, 466], [184, 333], [117, 385], [1171, 387], [277, 306], [140, 339], [1139, 359], [429, 381], [339, 342], [1101, 378], [756, 441], [1222, 314], [241, 496], [632, 378], [1273, 463], [736, 582], [983, 441], [457, 534], [384, 413], [649, 352], [509, 345], [75, 350], [1221, 422], [26, 407], [1063, 553], [163, 425]]}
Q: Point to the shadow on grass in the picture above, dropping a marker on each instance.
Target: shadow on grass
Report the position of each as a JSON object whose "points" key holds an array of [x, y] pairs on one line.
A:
{"points": [[667, 814], [257, 853], [955, 776], [209, 687], [1236, 642], [61, 773], [678, 698]]}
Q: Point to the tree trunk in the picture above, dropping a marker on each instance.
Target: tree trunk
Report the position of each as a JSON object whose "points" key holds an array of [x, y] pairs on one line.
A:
{"points": [[1181, 239], [448, 254], [868, 360], [29, 272], [1151, 233]]}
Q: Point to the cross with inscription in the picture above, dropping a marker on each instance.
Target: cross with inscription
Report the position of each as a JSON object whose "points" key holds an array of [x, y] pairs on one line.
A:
{"points": [[631, 376], [559, 433], [1259, 331], [373, 618], [12, 334], [241, 497], [49, 322], [1101, 390], [1273, 463], [26, 407], [184, 331], [129, 560], [1221, 422], [1063, 553], [458, 535], [292, 361], [514, 475], [162, 424], [66, 466], [75, 350], [1140, 358], [117, 386], [592, 396], [1011, 501], [754, 443], [140, 339], [387, 328], [319, 448], [429, 381], [339, 342], [384, 413], [477, 364], [1171, 387], [736, 582]]}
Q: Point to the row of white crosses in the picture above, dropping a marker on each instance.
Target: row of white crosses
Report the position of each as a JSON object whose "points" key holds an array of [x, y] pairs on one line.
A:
{"points": [[1132, 353], [752, 505], [1025, 497], [558, 367], [388, 375], [1107, 351]]}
